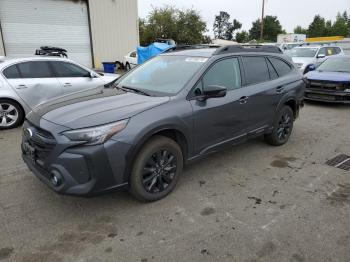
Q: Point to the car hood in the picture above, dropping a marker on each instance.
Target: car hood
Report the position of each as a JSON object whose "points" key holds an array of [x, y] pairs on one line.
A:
{"points": [[108, 77], [303, 60], [93, 107], [329, 76]]}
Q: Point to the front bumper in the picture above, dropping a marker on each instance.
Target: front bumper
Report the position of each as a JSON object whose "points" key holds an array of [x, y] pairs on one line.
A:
{"points": [[328, 96], [82, 170]]}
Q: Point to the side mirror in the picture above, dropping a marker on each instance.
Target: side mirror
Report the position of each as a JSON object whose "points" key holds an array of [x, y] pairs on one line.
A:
{"points": [[309, 68], [213, 91], [321, 56], [92, 75]]}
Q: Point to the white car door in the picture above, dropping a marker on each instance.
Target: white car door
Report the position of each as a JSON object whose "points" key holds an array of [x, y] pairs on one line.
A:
{"points": [[33, 81], [74, 78]]}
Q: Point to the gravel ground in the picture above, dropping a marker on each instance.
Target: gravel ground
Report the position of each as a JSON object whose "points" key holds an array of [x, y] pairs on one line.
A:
{"points": [[251, 203]]}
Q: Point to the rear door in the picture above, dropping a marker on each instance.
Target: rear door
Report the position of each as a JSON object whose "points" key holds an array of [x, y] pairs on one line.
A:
{"points": [[259, 91], [33, 81], [74, 78]]}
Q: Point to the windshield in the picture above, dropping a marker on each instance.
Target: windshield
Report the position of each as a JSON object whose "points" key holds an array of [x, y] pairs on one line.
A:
{"points": [[162, 75], [339, 64], [303, 52]]}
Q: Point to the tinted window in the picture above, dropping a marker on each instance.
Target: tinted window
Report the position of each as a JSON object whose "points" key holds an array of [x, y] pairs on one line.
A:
{"points": [[255, 69], [34, 69], [273, 73], [224, 73], [281, 67], [63, 69], [11, 72], [336, 50]]}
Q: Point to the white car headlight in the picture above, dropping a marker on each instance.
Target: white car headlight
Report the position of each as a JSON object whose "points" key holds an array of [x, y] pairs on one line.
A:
{"points": [[96, 135]]}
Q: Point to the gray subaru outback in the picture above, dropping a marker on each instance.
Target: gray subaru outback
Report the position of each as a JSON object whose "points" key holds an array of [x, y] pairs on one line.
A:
{"points": [[139, 131]]}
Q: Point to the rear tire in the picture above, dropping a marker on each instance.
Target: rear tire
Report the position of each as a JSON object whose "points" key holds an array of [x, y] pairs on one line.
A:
{"points": [[283, 126], [156, 169], [127, 67], [11, 114]]}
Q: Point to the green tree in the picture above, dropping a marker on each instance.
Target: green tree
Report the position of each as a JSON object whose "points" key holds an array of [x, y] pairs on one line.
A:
{"points": [[341, 25], [242, 37], [272, 27], [300, 30], [190, 27], [317, 27], [222, 25], [185, 26]]}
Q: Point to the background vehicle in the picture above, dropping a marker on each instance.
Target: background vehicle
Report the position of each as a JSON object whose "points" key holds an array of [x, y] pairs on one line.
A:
{"points": [[330, 82], [175, 108], [27, 82], [304, 56], [130, 60]]}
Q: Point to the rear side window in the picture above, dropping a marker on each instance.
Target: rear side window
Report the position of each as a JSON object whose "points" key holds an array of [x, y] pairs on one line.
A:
{"points": [[281, 67], [273, 73], [34, 69], [63, 69], [336, 50], [256, 70], [224, 73], [11, 72]]}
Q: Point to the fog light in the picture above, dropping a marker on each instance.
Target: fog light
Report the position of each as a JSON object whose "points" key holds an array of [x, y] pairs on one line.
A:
{"points": [[55, 179]]}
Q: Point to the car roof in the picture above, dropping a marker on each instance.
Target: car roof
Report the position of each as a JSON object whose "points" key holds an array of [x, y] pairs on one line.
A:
{"points": [[5, 60], [209, 52]]}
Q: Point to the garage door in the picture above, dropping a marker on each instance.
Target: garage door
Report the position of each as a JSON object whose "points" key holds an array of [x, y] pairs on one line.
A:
{"points": [[28, 24]]}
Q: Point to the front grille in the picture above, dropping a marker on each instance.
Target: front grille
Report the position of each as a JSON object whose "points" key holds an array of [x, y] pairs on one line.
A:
{"points": [[328, 86], [41, 140]]}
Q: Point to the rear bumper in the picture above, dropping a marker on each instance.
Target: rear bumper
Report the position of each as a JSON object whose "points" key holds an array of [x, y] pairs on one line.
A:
{"points": [[328, 96]]}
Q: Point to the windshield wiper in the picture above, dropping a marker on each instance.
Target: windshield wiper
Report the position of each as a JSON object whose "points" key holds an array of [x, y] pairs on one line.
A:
{"points": [[135, 90]]}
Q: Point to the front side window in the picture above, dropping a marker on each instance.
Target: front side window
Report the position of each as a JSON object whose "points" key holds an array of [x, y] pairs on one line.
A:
{"points": [[11, 72], [64, 69], [322, 51], [281, 67], [162, 75], [224, 73], [34, 69], [256, 70]]}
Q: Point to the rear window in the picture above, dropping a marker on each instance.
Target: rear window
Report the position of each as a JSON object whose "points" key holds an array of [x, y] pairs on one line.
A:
{"points": [[34, 69], [11, 72], [281, 67], [256, 70]]}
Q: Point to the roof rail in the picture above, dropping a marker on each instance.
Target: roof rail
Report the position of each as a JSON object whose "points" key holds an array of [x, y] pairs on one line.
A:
{"points": [[248, 48]]}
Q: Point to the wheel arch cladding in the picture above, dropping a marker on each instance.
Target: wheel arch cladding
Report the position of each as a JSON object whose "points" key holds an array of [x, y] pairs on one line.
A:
{"points": [[170, 132], [293, 105]]}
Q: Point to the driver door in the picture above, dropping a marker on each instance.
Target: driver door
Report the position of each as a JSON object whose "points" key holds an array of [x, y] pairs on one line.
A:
{"points": [[218, 120]]}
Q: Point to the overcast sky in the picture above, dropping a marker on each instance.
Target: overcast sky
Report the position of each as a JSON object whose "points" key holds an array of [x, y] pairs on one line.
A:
{"points": [[290, 13]]}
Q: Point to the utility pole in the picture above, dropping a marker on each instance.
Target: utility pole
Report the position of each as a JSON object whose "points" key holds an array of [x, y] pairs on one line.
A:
{"points": [[262, 21]]}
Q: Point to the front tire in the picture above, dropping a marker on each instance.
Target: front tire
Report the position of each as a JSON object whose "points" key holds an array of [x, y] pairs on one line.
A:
{"points": [[11, 114], [127, 67], [156, 169], [283, 126]]}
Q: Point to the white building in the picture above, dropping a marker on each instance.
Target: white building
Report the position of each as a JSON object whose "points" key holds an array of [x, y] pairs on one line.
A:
{"points": [[92, 31]]}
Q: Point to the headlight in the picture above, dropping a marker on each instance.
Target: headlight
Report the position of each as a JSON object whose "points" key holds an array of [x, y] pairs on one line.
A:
{"points": [[96, 135]]}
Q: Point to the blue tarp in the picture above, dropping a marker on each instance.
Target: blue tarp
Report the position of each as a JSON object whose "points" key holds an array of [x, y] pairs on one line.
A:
{"points": [[145, 53]]}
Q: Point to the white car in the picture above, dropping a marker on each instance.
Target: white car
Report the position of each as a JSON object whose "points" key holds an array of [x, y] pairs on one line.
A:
{"points": [[130, 60], [28, 82], [305, 56]]}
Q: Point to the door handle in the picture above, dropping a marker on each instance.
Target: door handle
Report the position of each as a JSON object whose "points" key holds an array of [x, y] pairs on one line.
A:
{"points": [[243, 99], [21, 86], [67, 84], [279, 90]]}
